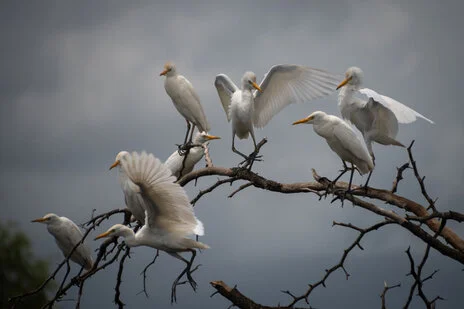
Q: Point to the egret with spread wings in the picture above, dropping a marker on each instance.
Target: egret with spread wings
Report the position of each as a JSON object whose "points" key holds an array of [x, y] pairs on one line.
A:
{"points": [[342, 140], [282, 85], [378, 117], [67, 236], [169, 216], [183, 164], [185, 100]]}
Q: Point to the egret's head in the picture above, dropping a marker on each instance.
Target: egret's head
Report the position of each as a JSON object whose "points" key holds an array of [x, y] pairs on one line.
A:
{"points": [[353, 76], [249, 81], [169, 69], [203, 137], [115, 230], [118, 159], [314, 117], [47, 219]]}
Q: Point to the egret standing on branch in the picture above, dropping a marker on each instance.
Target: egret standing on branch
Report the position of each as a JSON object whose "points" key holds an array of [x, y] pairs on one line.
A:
{"points": [[169, 216], [184, 164], [185, 99], [281, 86], [342, 140], [378, 117], [67, 236]]}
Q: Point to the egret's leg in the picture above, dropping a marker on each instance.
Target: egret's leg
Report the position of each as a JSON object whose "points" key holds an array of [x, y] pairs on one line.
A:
{"points": [[187, 270], [234, 149], [368, 178], [191, 134], [343, 171], [187, 133], [351, 178]]}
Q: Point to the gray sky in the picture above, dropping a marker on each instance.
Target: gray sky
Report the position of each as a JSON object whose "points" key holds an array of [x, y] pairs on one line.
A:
{"points": [[79, 82]]}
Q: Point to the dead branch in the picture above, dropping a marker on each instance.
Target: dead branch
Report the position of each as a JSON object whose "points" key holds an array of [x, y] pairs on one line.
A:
{"points": [[386, 288]]}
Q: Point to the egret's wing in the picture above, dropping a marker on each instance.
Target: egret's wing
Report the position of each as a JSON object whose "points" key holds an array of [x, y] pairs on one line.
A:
{"points": [[194, 104], [403, 113], [286, 84], [68, 235], [350, 141], [225, 88], [384, 119], [168, 206]]}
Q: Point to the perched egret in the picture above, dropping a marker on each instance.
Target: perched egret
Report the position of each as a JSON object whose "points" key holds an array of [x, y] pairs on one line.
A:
{"points": [[169, 216], [342, 140], [133, 200], [281, 86], [67, 236], [185, 99], [378, 117], [184, 164]]}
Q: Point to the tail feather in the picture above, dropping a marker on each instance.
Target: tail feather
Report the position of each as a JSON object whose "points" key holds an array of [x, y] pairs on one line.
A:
{"points": [[387, 140]]}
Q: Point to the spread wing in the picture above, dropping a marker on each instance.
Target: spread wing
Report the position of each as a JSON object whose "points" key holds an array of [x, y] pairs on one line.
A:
{"points": [[225, 88], [403, 113], [286, 84], [167, 204]]}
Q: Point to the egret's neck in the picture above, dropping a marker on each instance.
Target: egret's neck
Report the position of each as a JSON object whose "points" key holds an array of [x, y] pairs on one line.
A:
{"points": [[129, 237], [345, 100]]}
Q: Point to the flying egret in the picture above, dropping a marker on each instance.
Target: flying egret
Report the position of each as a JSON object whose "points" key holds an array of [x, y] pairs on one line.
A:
{"points": [[283, 85], [67, 236], [131, 195], [184, 164], [342, 140], [169, 216], [378, 117], [185, 99]]}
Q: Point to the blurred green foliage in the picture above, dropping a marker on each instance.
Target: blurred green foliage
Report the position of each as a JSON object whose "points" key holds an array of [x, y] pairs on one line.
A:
{"points": [[20, 271]]}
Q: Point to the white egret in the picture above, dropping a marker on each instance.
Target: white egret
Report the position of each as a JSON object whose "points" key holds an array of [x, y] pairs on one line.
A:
{"points": [[184, 164], [185, 99], [342, 140], [281, 86], [169, 216], [67, 235], [378, 117], [131, 195]]}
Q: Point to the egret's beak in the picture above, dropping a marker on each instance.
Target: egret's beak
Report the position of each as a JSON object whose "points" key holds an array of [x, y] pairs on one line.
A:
{"points": [[102, 235], [255, 85], [344, 82], [164, 72], [39, 220], [304, 120], [210, 137], [116, 163]]}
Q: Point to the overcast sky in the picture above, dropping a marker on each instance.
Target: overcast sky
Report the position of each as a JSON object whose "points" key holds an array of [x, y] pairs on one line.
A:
{"points": [[79, 82]]}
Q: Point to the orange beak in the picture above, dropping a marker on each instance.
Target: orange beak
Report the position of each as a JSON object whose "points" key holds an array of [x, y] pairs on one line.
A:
{"points": [[255, 85], [164, 72], [39, 220], [304, 120], [116, 163], [344, 82], [102, 235], [210, 137]]}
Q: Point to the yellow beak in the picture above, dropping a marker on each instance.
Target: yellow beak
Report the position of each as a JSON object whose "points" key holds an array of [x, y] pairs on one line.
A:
{"points": [[344, 82], [102, 235], [255, 85], [210, 137], [164, 72], [39, 220], [304, 120], [116, 163]]}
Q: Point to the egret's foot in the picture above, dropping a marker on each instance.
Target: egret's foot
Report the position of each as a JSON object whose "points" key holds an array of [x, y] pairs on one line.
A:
{"points": [[182, 149], [249, 160]]}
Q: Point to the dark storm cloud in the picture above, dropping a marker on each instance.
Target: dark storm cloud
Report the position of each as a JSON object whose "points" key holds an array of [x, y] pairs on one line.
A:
{"points": [[79, 82]]}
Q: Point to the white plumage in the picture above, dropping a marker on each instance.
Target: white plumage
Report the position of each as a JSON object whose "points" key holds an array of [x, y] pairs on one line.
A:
{"points": [[67, 235], [378, 117], [184, 98], [183, 164], [281, 86], [341, 139], [169, 217]]}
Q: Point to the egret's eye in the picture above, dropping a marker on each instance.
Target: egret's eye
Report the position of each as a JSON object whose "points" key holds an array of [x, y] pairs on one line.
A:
{"points": [[249, 82]]}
